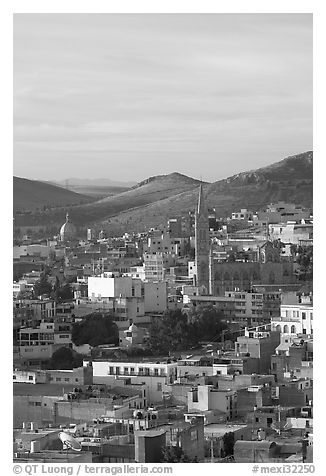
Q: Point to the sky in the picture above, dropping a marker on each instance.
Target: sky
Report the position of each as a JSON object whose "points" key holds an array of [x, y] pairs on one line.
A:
{"points": [[129, 96]]}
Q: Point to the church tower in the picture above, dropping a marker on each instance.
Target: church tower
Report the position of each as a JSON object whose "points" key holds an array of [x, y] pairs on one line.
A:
{"points": [[202, 243]]}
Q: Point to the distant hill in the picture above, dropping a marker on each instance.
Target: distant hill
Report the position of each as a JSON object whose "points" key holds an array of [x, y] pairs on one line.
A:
{"points": [[32, 195], [148, 191], [155, 199], [99, 182]]}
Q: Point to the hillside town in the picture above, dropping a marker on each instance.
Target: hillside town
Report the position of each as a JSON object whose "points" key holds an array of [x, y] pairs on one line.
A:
{"points": [[191, 342]]}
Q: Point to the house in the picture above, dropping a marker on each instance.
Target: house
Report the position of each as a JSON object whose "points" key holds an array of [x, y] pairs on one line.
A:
{"points": [[153, 374], [294, 319], [207, 397]]}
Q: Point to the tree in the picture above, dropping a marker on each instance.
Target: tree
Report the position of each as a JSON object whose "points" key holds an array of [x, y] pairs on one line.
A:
{"points": [[95, 330], [42, 286], [63, 293], [207, 322], [228, 440], [176, 331], [175, 454], [65, 359], [170, 332]]}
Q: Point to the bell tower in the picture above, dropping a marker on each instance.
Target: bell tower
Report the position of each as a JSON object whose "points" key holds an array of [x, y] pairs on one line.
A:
{"points": [[202, 243]]}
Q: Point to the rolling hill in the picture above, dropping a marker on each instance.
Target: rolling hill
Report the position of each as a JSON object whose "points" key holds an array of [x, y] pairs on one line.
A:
{"points": [[152, 201], [148, 191], [33, 194], [290, 180]]}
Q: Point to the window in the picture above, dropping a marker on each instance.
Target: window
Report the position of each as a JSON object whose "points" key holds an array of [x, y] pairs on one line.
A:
{"points": [[159, 387], [14, 377], [30, 377], [111, 370], [66, 379], [58, 379], [303, 315]]}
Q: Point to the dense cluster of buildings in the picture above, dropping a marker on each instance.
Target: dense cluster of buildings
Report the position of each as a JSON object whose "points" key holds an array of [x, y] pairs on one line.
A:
{"points": [[228, 400]]}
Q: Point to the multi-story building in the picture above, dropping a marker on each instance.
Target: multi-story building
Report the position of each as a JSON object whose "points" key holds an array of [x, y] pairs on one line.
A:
{"points": [[294, 319], [37, 344], [205, 398], [293, 358], [154, 266], [258, 346], [243, 214], [292, 232], [255, 306], [153, 374], [122, 295]]}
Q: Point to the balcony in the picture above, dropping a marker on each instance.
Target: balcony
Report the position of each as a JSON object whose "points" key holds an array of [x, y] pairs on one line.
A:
{"points": [[285, 319]]}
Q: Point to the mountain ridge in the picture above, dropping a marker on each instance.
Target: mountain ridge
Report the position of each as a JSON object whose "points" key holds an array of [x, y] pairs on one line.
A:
{"points": [[154, 199]]}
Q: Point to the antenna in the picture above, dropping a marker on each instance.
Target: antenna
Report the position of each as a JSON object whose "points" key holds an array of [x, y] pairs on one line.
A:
{"points": [[69, 442]]}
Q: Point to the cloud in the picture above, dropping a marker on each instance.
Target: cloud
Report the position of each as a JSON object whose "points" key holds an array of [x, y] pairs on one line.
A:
{"points": [[150, 90]]}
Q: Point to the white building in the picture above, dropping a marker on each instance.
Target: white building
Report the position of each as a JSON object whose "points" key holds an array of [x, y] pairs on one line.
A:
{"points": [[122, 294], [243, 214], [128, 297], [154, 375], [292, 232], [294, 319]]}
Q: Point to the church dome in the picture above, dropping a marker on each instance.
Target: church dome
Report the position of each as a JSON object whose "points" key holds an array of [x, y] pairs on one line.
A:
{"points": [[67, 231]]}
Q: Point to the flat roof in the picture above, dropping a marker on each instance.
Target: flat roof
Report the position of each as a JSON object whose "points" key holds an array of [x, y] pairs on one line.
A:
{"points": [[41, 389], [220, 429]]}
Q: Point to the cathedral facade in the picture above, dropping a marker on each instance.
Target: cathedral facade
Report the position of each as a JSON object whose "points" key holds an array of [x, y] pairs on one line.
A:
{"points": [[215, 278]]}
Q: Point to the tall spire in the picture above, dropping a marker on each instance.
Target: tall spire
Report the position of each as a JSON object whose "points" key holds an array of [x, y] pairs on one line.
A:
{"points": [[201, 201], [202, 243]]}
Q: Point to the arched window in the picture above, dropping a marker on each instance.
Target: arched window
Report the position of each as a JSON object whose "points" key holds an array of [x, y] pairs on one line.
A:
{"points": [[278, 328], [293, 330], [286, 329]]}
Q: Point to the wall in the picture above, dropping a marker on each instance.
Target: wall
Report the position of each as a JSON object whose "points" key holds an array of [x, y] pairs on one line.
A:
{"points": [[33, 408], [155, 295]]}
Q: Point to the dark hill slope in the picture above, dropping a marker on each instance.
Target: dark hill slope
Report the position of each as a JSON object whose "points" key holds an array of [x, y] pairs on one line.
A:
{"points": [[32, 195], [149, 191]]}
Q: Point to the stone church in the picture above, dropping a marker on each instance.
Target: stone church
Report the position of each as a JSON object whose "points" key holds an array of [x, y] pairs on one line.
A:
{"points": [[214, 277]]}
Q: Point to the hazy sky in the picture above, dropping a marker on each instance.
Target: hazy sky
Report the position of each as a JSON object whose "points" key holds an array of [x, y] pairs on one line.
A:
{"points": [[128, 96]]}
